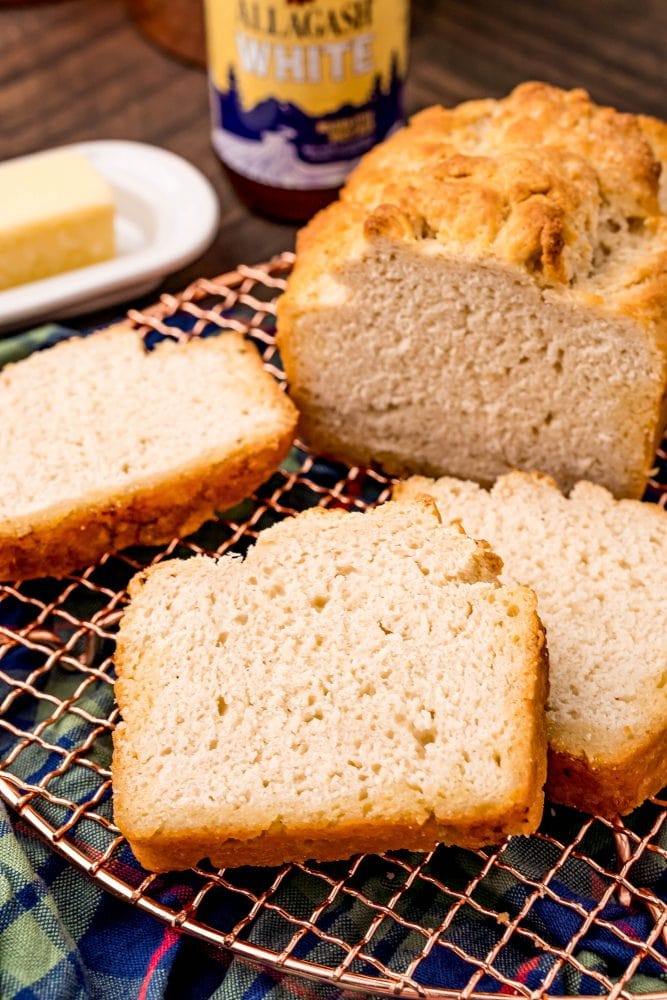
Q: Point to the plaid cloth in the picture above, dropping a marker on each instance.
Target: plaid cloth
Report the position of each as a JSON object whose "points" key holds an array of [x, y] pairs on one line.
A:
{"points": [[62, 937]]}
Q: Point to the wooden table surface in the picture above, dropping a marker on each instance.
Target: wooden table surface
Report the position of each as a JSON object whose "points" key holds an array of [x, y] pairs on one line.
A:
{"points": [[78, 69]]}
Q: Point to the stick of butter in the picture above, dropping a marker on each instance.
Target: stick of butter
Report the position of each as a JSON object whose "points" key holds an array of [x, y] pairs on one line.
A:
{"points": [[56, 214]]}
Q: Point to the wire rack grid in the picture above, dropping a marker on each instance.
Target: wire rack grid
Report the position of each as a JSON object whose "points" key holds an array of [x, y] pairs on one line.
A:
{"points": [[578, 909]]}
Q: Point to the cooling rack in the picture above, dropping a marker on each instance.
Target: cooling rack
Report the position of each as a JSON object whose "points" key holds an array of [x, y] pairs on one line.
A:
{"points": [[578, 909]]}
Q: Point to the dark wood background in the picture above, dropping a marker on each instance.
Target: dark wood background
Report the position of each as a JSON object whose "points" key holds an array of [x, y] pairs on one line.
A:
{"points": [[78, 69]]}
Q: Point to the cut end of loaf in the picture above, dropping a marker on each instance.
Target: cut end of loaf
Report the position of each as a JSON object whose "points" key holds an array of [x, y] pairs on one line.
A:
{"points": [[328, 695], [471, 372]]}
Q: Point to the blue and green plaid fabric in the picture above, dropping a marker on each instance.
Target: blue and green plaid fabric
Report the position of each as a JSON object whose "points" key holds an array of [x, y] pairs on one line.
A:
{"points": [[64, 938]]}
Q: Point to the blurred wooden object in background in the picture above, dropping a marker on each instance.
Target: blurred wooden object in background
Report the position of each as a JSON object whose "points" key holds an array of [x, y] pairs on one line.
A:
{"points": [[176, 25]]}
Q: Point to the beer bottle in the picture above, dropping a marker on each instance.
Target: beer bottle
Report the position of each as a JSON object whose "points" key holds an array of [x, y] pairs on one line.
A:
{"points": [[300, 89]]}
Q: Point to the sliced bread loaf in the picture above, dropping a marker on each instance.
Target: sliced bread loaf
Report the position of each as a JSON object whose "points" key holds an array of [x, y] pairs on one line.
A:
{"points": [[490, 293], [599, 568], [358, 683], [105, 444]]}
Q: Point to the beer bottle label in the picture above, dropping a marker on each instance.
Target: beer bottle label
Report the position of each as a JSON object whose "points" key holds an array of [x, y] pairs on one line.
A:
{"points": [[302, 88]]}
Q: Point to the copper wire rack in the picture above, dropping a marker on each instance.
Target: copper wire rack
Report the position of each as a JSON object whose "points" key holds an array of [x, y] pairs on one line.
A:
{"points": [[578, 909]]}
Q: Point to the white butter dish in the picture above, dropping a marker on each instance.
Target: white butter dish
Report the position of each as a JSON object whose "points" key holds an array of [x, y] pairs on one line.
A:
{"points": [[166, 216]]}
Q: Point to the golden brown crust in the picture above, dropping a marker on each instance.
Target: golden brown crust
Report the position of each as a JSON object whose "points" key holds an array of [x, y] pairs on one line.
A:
{"points": [[526, 208], [543, 180], [152, 514], [533, 115], [274, 847], [608, 788], [656, 133], [528, 180], [537, 776]]}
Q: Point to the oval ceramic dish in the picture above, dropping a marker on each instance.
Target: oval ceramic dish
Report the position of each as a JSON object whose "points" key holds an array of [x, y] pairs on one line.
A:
{"points": [[166, 216]]}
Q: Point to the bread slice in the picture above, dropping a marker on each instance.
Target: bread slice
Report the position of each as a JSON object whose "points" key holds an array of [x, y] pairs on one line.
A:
{"points": [[490, 293], [105, 444], [359, 683], [599, 568]]}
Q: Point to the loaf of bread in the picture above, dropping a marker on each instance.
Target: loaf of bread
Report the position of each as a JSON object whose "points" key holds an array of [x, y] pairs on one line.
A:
{"points": [[599, 568], [361, 682], [489, 293], [105, 444]]}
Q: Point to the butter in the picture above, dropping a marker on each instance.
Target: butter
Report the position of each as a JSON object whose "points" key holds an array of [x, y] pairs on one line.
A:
{"points": [[56, 214]]}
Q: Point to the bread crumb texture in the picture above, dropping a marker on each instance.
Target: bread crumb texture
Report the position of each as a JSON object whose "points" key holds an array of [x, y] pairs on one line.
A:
{"points": [[105, 444], [599, 568], [360, 682], [490, 292]]}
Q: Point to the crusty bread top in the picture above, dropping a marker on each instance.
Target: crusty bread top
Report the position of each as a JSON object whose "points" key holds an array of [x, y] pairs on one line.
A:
{"points": [[353, 669], [100, 414], [544, 180], [599, 568]]}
